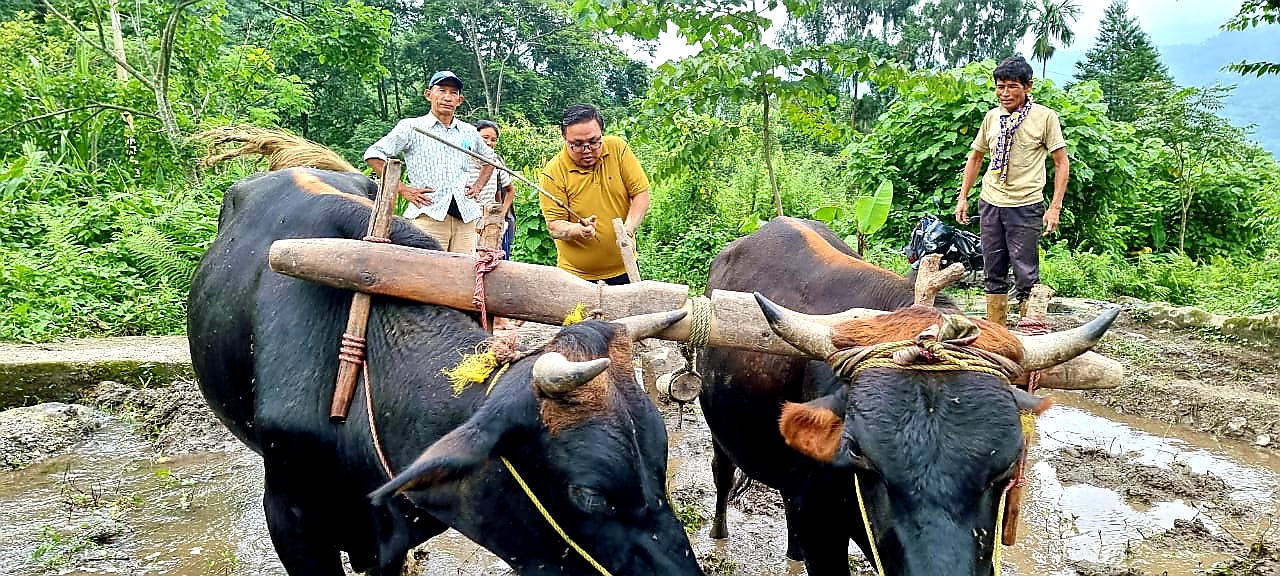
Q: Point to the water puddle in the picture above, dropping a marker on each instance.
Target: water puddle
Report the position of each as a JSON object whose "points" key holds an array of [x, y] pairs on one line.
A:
{"points": [[1117, 523], [108, 507]]}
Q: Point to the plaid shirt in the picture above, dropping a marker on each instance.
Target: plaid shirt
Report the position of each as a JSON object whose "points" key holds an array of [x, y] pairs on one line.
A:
{"points": [[431, 164]]}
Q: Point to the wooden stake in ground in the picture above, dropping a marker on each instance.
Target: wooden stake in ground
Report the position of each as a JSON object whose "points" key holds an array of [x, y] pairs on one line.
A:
{"points": [[352, 356], [627, 245]]}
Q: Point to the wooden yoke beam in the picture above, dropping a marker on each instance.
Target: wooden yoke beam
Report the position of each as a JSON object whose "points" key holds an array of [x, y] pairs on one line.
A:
{"points": [[514, 289]]}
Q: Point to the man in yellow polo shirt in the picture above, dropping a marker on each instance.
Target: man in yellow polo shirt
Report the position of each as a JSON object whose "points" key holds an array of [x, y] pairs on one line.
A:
{"points": [[1020, 134], [599, 178]]}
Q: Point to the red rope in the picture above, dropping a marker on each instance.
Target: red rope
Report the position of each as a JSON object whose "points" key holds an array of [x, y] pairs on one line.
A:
{"points": [[352, 349], [373, 429], [486, 260], [1033, 326]]}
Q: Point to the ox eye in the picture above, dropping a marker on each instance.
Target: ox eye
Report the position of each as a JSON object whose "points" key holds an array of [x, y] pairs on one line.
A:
{"points": [[857, 460], [589, 501]]}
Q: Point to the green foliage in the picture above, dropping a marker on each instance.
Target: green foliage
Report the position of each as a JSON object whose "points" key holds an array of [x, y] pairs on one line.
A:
{"points": [[685, 258], [532, 242], [347, 37], [1196, 143], [957, 32], [869, 214], [57, 549], [1244, 284], [922, 143], [1254, 13], [873, 211], [81, 258]]}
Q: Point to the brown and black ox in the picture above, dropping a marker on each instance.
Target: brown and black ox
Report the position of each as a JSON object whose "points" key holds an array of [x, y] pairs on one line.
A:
{"points": [[570, 419], [932, 451]]}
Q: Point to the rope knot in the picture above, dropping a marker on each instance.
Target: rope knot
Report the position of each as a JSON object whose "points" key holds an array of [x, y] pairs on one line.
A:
{"points": [[486, 260]]}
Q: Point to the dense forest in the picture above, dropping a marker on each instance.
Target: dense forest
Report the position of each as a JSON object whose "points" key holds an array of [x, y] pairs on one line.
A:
{"points": [[104, 210]]}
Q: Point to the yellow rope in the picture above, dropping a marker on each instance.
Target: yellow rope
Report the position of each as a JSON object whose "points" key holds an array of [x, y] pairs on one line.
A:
{"points": [[886, 356], [866, 524], [473, 368], [547, 515], [699, 322], [996, 543], [493, 382], [576, 315]]}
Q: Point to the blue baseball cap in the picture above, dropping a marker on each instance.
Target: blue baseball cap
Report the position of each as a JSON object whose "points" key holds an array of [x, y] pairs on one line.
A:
{"points": [[444, 76]]}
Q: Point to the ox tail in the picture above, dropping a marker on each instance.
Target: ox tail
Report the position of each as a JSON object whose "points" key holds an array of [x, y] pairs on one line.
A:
{"points": [[282, 149]]}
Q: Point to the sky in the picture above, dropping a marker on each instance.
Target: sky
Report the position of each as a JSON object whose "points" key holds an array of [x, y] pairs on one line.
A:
{"points": [[1166, 21]]}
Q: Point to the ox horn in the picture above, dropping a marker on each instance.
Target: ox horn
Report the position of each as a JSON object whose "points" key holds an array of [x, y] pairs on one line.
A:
{"points": [[809, 334], [649, 325], [554, 374], [1048, 350]]}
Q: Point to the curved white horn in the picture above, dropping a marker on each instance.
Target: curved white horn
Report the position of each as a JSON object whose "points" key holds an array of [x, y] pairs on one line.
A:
{"points": [[555, 374], [649, 325], [808, 336], [1046, 350]]}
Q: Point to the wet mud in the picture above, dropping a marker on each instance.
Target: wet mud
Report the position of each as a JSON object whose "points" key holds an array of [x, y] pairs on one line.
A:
{"points": [[1147, 480]]}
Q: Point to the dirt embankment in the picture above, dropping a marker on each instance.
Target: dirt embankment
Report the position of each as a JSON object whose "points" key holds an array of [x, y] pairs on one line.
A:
{"points": [[1197, 379]]}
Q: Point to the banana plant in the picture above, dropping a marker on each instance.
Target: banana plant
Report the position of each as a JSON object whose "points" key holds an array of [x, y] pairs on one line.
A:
{"points": [[871, 212]]}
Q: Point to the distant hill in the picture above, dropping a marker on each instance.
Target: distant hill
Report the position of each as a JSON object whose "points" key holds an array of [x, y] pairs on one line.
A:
{"points": [[1256, 100]]}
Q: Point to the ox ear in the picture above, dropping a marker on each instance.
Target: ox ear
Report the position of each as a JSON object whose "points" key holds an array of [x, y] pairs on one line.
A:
{"points": [[815, 428], [455, 455]]}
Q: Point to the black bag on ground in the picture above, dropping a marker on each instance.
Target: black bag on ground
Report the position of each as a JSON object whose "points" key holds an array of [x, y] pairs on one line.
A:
{"points": [[931, 236]]}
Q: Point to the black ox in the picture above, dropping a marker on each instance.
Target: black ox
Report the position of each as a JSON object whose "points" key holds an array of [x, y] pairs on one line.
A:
{"points": [[933, 451], [570, 419]]}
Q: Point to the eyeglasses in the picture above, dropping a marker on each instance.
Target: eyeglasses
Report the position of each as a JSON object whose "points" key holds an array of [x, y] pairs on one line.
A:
{"points": [[593, 145]]}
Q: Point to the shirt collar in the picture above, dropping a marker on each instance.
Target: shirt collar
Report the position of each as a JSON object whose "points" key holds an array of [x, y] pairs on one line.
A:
{"points": [[432, 121]]}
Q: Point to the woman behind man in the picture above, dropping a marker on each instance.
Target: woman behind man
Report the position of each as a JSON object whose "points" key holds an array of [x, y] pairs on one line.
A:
{"points": [[499, 188]]}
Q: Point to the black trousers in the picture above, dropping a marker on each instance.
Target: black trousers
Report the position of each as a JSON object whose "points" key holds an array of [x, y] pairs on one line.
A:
{"points": [[617, 280], [1011, 237]]}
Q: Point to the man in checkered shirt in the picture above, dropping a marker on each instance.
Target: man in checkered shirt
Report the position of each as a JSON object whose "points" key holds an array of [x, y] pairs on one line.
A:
{"points": [[441, 191]]}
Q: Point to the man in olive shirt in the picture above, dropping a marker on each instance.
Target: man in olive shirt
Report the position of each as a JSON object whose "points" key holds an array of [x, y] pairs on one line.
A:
{"points": [[599, 178], [1020, 134]]}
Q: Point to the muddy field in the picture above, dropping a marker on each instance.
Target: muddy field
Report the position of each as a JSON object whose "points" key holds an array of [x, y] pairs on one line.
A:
{"points": [[1175, 473]]}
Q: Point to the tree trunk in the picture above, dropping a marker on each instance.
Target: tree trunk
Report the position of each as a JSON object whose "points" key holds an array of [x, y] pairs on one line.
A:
{"points": [[395, 87], [768, 155], [117, 41], [484, 76], [497, 93], [164, 109], [382, 97], [853, 110], [1182, 229]]}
